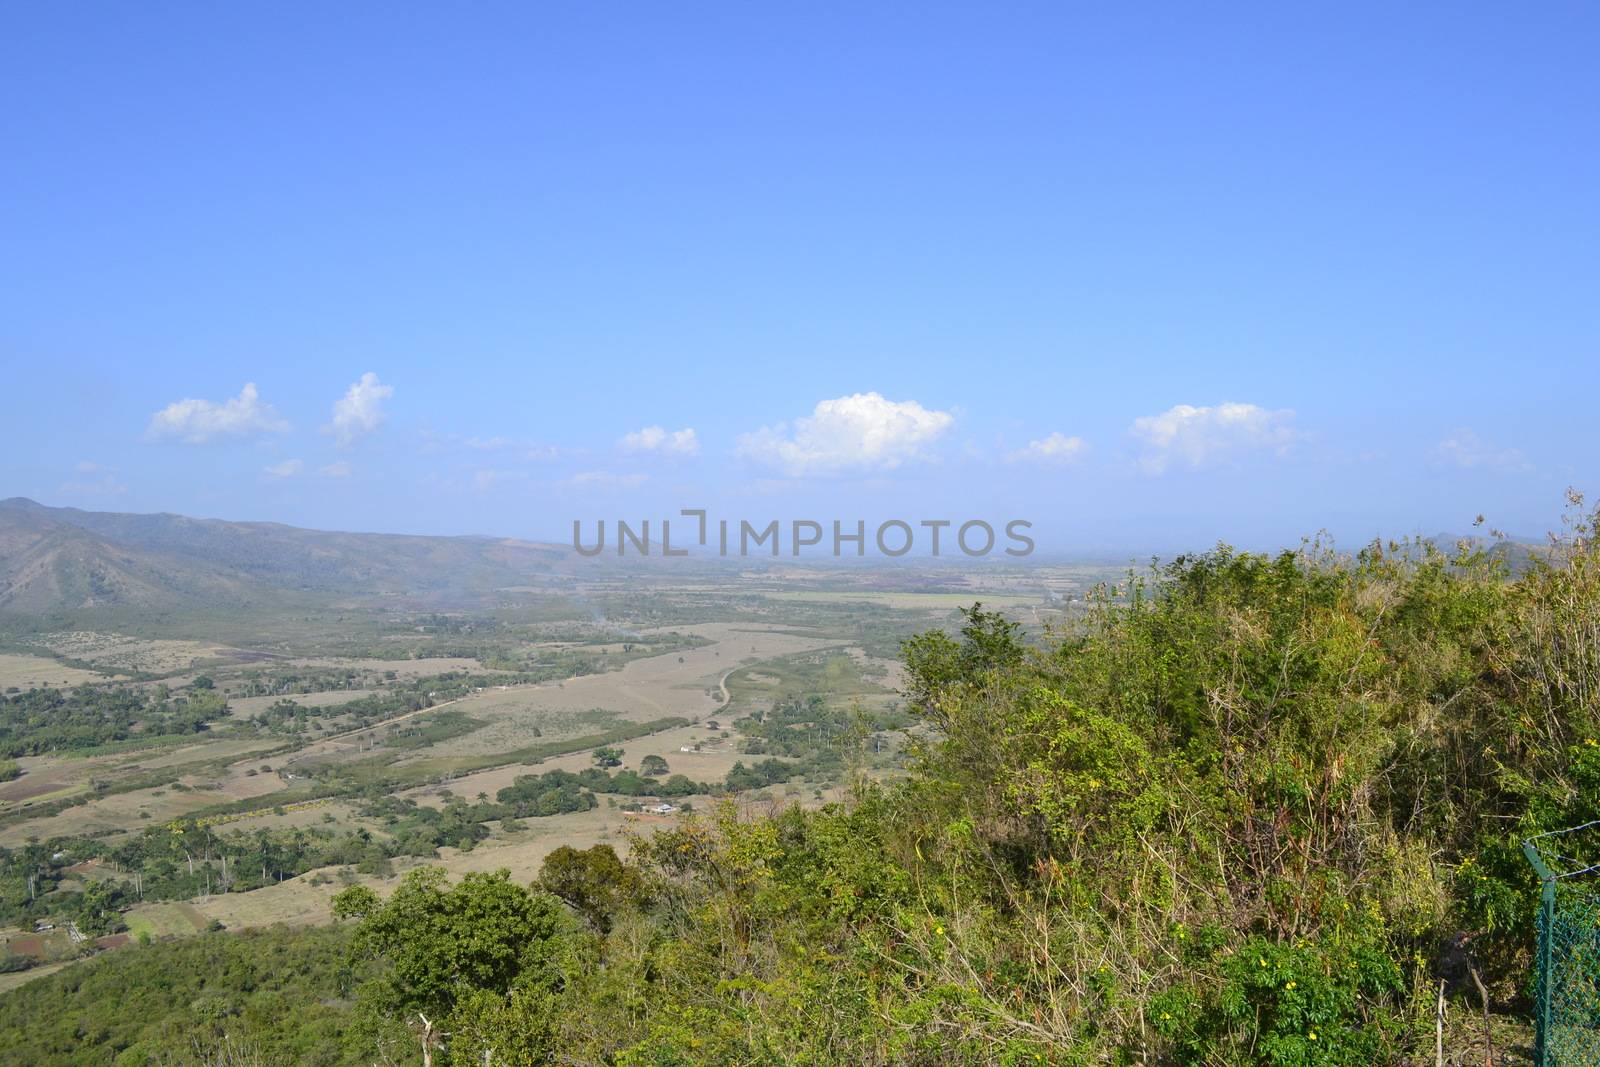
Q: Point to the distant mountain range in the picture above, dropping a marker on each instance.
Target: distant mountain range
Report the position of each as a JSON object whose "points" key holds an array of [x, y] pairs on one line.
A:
{"points": [[66, 563], [64, 560]]}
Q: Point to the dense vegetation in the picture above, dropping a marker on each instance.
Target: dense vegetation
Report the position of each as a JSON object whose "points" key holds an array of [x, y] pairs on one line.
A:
{"points": [[1253, 810], [189, 1001], [46, 720]]}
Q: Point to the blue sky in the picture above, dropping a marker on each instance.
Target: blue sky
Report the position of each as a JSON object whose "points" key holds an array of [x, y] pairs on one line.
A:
{"points": [[1147, 275]]}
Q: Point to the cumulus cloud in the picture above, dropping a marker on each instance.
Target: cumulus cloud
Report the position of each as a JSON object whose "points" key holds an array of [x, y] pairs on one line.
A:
{"points": [[1465, 449], [860, 431], [1058, 448], [287, 469], [1198, 436], [93, 479], [195, 422], [359, 411], [655, 439]]}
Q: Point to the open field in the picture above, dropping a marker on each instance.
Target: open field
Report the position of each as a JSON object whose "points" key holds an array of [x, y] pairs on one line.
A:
{"points": [[50, 778], [321, 813], [298, 901], [47, 944], [902, 601], [202, 751], [129, 811], [164, 920], [686, 683], [709, 765], [23, 671], [146, 655], [402, 668], [681, 683]]}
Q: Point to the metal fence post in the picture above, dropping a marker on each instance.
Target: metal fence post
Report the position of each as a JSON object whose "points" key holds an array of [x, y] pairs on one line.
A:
{"points": [[1541, 982], [1547, 930]]}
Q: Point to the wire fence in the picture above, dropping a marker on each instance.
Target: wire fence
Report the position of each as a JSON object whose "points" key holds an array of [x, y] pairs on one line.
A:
{"points": [[1567, 970]]}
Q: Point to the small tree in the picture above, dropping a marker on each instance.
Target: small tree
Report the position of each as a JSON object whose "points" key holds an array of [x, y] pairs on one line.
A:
{"points": [[595, 882], [653, 766], [447, 946], [606, 756]]}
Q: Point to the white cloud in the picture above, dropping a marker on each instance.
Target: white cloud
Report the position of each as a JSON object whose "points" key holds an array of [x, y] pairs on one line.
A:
{"points": [[863, 430], [1057, 448], [287, 469], [93, 479], [655, 439], [359, 411], [195, 422], [1465, 449], [606, 480], [340, 469], [1198, 436]]}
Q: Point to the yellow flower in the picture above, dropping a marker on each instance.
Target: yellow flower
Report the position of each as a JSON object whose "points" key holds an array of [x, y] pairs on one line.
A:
{"points": [[1313, 1035], [939, 930], [1262, 960], [1289, 984], [1591, 742], [1164, 1015]]}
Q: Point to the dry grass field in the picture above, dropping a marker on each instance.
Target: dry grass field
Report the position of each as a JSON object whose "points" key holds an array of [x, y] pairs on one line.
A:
{"points": [[710, 765], [940, 602], [22, 671], [686, 684], [135, 809], [298, 901], [341, 813], [295, 901], [147, 655], [402, 668], [51, 778], [202, 751]]}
